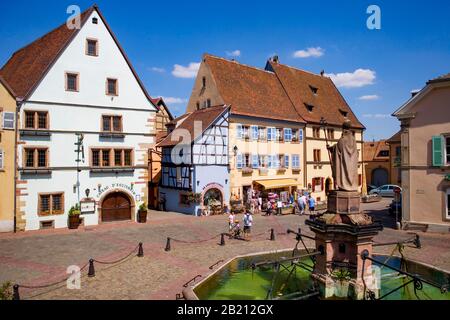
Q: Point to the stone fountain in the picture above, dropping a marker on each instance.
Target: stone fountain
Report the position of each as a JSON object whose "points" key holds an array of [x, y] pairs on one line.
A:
{"points": [[343, 232]]}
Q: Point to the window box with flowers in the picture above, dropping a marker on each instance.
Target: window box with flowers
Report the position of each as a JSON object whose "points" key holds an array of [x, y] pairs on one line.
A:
{"points": [[247, 170], [194, 198]]}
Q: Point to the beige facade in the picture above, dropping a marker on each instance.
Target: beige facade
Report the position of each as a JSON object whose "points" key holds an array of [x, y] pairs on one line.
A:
{"points": [[395, 159], [425, 158], [7, 151], [319, 178], [248, 175]]}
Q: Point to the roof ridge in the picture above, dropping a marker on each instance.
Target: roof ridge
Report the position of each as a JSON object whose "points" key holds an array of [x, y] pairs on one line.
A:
{"points": [[302, 70], [236, 62]]}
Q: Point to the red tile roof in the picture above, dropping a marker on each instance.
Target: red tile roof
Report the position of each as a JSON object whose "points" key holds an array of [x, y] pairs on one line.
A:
{"points": [[327, 102], [372, 151], [186, 122], [395, 138], [27, 66], [251, 91]]}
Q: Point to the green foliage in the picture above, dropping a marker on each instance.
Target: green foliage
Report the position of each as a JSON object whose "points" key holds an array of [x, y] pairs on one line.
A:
{"points": [[75, 210], [194, 197], [341, 274], [143, 207], [6, 291]]}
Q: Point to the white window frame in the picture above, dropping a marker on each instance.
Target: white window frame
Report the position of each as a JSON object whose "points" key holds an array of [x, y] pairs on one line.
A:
{"points": [[239, 161], [296, 161], [271, 134], [255, 161], [287, 132], [4, 120], [239, 131], [254, 134]]}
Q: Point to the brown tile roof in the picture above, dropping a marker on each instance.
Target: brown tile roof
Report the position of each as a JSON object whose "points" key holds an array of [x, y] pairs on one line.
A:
{"points": [[251, 91], [327, 103], [206, 116], [7, 87], [445, 77], [27, 66], [372, 151], [395, 138]]}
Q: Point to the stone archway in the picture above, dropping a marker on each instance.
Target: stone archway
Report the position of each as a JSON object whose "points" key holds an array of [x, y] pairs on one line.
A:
{"points": [[213, 198]]}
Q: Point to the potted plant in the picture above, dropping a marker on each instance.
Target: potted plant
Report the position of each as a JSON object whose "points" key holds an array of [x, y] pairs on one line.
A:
{"points": [[142, 213], [74, 217], [342, 280], [194, 198]]}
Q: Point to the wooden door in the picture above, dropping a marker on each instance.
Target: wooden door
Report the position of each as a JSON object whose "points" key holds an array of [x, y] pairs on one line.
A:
{"points": [[116, 207]]}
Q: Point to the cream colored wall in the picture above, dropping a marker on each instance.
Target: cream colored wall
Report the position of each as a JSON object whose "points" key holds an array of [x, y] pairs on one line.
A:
{"points": [[424, 185], [237, 179], [200, 94], [324, 169], [7, 142]]}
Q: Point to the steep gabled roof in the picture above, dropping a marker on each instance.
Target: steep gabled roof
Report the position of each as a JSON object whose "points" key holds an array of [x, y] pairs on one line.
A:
{"points": [[250, 91], [7, 87], [28, 66], [186, 122], [158, 102], [327, 102]]}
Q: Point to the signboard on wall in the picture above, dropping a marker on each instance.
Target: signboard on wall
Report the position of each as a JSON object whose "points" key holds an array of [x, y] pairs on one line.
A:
{"points": [[87, 206]]}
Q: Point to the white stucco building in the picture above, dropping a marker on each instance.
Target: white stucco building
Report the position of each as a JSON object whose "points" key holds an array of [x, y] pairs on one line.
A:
{"points": [[71, 83]]}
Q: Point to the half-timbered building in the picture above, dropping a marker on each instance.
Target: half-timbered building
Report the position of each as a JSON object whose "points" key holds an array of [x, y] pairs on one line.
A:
{"points": [[195, 175]]}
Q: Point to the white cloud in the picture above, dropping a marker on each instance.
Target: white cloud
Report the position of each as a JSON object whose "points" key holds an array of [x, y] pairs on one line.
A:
{"points": [[190, 71], [174, 100], [309, 52], [156, 69], [235, 53], [357, 79], [377, 116], [369, 97]]}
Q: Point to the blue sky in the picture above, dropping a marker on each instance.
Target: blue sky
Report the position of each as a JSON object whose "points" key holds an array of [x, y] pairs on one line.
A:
{"points": [[412, 46]]}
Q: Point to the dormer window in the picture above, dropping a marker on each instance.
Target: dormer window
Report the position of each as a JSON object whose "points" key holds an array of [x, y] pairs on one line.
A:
{"points": [[314, 90], [309, 107], [92, 47], [95, 20], [343, 112]]}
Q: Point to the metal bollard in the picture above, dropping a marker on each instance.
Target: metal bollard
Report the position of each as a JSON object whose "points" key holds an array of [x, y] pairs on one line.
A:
{"points": [[16, 295], [417, 242], [222, 239], [141, 250], [91, 272], [272, 235], [168, 248]]}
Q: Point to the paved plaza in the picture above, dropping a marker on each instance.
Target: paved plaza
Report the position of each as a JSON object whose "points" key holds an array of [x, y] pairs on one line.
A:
{"points": [[42, 257]]}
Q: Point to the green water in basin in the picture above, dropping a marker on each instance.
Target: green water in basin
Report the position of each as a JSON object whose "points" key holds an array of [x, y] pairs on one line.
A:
{"points": [[237, 281]]}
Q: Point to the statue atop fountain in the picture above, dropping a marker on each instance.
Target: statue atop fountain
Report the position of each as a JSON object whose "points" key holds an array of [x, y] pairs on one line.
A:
{"points": [[344, 230]]}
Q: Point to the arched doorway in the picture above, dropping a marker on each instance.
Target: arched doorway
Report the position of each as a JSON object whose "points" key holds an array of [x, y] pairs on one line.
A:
{"points": [[328, 186], [116, 206], [213, 201], [380, 177]]}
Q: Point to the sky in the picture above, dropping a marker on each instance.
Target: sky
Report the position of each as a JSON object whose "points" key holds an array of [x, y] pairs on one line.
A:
{"points": [[375, 69]]}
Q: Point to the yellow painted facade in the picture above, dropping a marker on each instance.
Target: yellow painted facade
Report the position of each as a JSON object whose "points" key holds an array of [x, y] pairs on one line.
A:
{"points": [[7, 150], [321, 168], [246, 177]]}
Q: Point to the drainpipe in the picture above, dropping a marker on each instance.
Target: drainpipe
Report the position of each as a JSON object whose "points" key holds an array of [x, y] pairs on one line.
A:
{"points": [[19, 102]]}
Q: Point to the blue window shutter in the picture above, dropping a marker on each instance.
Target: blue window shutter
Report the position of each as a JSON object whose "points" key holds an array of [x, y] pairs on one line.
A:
{"points": [[239, 161], [239, 131], [437, 146], [286, 161]]}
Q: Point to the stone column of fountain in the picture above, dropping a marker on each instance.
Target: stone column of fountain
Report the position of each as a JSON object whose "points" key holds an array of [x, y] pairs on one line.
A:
{"points": [[343, 231]]}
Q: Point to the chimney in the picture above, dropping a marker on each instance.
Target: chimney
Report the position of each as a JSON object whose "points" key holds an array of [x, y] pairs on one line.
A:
{"points": [[322, 72], [275, 59]]}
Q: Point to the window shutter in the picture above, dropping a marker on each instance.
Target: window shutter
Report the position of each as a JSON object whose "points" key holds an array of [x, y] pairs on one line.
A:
{"points": [[437, 146], [239, 131], [313, 184]]}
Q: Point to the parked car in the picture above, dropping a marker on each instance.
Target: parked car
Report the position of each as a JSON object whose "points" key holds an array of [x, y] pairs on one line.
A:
{"points": [[385, 191], [370, 187]]}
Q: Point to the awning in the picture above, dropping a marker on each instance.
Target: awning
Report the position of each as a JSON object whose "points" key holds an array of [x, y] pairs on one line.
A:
{"points": [[278, 183]]}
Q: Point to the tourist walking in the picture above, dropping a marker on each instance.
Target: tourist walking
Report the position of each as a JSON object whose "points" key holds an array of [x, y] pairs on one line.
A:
{"points": [[231, 219], [248, 222], [279, 206], [312, 204], [301, 204]]}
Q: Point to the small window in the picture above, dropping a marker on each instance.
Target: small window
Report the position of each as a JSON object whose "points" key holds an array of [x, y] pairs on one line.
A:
{"points": [[295, 161], [111, 87], [72, 82], [309, 107], [317, 155], [316, 132], [330, 133], [343, 112], [35, 158], [51, 204], [36, 120], [112, 157], [254, 133], [111, 123], [95, 20], [208, 103], [314, 90], [92, 47], [8, 120], [204, 82], [288, 134]]}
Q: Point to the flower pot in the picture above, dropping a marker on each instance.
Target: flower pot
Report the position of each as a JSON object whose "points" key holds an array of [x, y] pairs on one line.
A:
{"points": [[341, 289], [142, 216], [74, 221]]}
